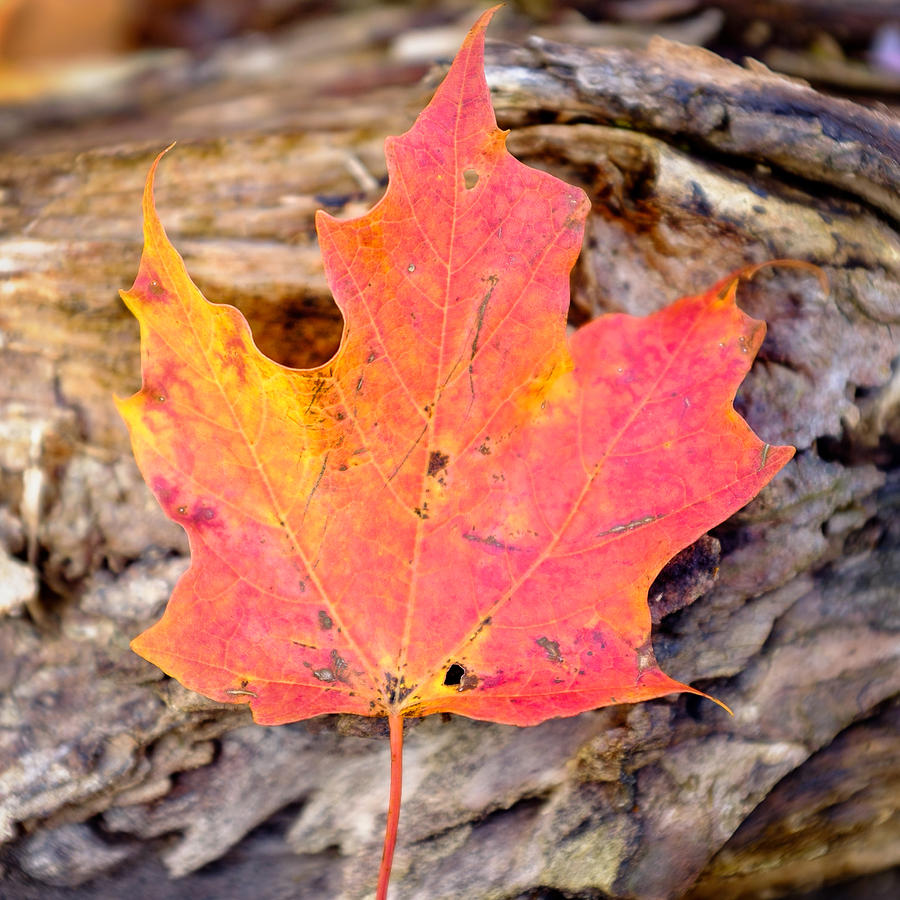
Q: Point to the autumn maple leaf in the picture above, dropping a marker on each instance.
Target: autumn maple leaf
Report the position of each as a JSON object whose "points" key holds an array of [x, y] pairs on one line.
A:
{"points": [[459, 512]]}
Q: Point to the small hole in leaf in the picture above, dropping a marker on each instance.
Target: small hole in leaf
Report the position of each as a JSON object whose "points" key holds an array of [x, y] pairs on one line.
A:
{"points": [[454, 675], [470, 176]]}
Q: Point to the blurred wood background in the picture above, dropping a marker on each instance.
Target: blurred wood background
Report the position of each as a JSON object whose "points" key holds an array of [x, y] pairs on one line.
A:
{"points": [[708, 136]]}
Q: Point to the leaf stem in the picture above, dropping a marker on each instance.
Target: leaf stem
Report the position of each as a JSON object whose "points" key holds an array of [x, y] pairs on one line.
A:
{"points": [[395, 723]]}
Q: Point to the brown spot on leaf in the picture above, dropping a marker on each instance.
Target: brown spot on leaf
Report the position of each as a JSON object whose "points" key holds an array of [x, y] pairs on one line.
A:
{"points": [[396, 690], [437, 461], [338, 663], [470, 177], [645, 658], [325, 622], [489, 541], [468, 683], [551, 649]]}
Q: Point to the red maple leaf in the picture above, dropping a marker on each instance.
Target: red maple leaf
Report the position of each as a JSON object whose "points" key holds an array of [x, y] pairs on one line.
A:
{"points": [[459, 512]]}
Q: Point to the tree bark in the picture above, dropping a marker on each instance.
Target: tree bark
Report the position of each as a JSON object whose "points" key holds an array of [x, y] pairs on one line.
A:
{"points": [[116, 780]]}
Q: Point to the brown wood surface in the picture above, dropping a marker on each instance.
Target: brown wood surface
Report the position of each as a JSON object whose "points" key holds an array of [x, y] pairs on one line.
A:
{"points": [[114, 780]]}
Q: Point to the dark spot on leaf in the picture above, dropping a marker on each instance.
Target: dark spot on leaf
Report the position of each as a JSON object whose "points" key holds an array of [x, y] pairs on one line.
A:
{"points": [[324, 674], [182, 510], [470, 177], [155, 288], [338, 663], [551, 648], [489, 541], [436, 462], [402, 691], [203, 514], [468, 683], [324, 620], [454, 675], [391, 687]]}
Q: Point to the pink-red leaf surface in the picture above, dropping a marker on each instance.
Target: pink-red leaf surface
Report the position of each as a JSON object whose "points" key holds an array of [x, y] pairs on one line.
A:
{"points": [[461, 511]]}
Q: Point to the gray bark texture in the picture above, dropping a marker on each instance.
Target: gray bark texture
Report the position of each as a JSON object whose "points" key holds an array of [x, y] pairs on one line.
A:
{"points": [[117, 782]]}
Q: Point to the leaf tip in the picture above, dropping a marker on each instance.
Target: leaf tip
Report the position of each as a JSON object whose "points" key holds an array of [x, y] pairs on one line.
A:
{"points": [[715, 700], [748, 272], [485, 18], [149, 205]]}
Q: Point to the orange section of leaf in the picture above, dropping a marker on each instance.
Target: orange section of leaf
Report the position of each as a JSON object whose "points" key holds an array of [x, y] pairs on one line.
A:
{"points": [[458, 512]]}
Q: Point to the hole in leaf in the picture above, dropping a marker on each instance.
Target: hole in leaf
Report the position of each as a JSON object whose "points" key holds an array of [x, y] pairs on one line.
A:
{"points": [[470, 177], [454, 675], [299, 331]]}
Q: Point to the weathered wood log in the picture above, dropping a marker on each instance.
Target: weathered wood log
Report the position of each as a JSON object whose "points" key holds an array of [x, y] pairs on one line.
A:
{"points": [[118, 780]]}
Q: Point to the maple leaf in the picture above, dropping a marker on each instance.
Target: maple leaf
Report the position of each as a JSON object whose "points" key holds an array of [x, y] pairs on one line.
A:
{"points": [[460, 511]]}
